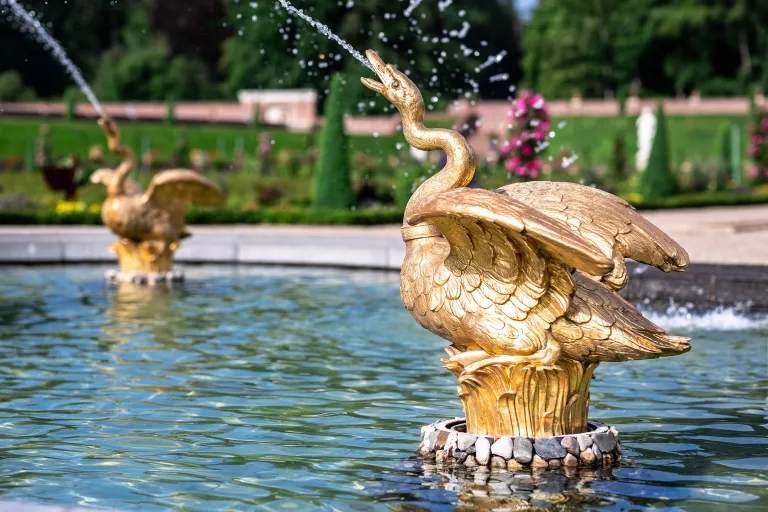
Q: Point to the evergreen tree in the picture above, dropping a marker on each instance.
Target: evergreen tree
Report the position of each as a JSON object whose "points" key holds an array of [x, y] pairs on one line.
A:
{"points": [[70, 105], [618, 161], [170, 111], [726, 151], [333, 185], [658, 180]]}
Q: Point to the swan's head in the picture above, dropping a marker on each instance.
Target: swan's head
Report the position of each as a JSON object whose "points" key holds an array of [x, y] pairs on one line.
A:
{"points": [[102, 176], [394, 86]]}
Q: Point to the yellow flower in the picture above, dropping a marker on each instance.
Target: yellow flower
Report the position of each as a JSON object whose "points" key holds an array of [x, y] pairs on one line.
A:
{"points": [[94, 208], [633, 197], [69, 207]]}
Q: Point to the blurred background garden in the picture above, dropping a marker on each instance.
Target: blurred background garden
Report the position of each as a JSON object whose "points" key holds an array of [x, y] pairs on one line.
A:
{"points": [[660, 102]]}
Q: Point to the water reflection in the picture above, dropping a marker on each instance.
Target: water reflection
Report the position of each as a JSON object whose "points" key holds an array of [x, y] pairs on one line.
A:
{"points": [[485, 490]]}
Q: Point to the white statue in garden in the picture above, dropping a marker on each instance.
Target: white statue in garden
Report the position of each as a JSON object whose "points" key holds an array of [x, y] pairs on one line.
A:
{"points": [[646, 130]]}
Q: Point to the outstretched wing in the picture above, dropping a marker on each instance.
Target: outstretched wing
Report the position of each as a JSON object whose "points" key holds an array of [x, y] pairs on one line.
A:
{"points": [[606, 221], [183, 187], [602, 326], [464, 205], [503, 283]]}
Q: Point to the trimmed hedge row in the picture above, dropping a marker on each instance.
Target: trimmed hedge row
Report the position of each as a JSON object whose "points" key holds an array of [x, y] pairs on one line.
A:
{"points": [[367, 217], [699, 200], [220, 216]]}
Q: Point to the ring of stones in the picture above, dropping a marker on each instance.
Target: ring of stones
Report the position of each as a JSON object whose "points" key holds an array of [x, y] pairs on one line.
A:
{"points": [[448, 443]]}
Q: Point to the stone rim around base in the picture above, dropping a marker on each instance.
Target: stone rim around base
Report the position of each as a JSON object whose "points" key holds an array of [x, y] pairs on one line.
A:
{"points": [[448, 443], [145, 278]]}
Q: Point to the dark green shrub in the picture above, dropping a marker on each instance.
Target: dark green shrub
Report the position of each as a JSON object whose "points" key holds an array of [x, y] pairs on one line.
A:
{"points": [[367, 217], [618, 167], [657, 180], [170, 112], [180, 157], [726, 149], [69, 105], [333, 183]]}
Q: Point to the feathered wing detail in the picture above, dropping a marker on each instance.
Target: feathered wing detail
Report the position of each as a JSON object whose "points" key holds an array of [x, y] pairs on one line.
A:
{"points": [[606, 221], [183, 187], [551, 236], [601, 326], [499, 278]]}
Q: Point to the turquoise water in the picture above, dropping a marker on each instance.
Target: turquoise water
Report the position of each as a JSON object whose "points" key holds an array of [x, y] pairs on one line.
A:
{"points": [[271, 389]]}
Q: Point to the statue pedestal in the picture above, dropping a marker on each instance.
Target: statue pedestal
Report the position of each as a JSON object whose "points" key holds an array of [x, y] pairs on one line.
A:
{"points": [[447, 444], [145, 263], [523, 399], [520, 414]]}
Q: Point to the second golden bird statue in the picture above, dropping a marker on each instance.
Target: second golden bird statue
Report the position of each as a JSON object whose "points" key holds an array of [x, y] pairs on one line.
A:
{"points": [[522, 282], [150, 224]]}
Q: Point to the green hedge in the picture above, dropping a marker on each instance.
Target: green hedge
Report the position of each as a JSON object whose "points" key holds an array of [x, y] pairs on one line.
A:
{"points": [[369, 217], [221, 216], [699, 200]]}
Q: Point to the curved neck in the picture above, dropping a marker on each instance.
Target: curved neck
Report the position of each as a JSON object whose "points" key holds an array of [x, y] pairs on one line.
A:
{"points": [[116, 185], [460, 165]]}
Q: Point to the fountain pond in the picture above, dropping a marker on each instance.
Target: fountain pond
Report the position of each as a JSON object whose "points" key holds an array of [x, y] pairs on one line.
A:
{"points": [[294, 389]]}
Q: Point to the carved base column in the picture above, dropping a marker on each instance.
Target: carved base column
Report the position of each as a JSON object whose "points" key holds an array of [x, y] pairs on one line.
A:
{"points": [[149, 262], [522, 415], [525, 400]]}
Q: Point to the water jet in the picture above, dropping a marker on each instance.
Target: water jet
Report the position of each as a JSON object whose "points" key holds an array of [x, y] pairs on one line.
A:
{"points": [[34, 25]]}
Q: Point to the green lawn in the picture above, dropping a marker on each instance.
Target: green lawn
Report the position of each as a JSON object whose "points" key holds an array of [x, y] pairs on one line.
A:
{"points": [[690, 137], [17, 138]]}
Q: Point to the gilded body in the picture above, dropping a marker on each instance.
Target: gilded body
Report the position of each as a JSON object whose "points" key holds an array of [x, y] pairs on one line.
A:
{"points": [[522, 281], [150, 223]]}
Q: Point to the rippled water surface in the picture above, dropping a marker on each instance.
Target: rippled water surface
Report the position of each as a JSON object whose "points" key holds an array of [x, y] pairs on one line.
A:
{"points": [[254, 388]]}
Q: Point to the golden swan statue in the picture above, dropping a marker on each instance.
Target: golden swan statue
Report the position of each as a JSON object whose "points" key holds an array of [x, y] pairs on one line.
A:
{"points": [[150, 224], [522, 281]]}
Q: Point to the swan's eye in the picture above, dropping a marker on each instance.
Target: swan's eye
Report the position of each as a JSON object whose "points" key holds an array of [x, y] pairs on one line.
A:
{"points": [[395, 84]]}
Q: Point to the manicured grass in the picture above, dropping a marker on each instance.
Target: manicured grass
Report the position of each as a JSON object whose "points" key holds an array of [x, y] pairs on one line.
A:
{"points": [[697, 138], [690, 137], [17, 138]]}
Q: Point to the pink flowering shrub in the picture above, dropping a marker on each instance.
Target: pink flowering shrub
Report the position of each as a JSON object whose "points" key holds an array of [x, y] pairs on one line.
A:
{"points": [[758, 150], [530, 128]]}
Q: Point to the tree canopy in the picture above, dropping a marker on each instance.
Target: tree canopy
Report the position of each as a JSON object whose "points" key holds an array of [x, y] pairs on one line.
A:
{"points": [[213, 48], [440, 45], [658, 47], [208, 49]]}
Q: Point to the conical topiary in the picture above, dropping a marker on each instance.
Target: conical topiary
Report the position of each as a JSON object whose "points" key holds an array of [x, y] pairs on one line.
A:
{"points": [[658, 180], [170, 111], [333, 183], [70, 106]]}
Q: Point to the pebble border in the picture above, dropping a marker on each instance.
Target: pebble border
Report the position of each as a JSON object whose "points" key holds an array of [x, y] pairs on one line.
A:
{"points": [[144, 279], [448, 444]]}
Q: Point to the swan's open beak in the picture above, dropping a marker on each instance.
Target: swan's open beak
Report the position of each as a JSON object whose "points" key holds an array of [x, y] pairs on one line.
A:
{"points": [[380, 68]]}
